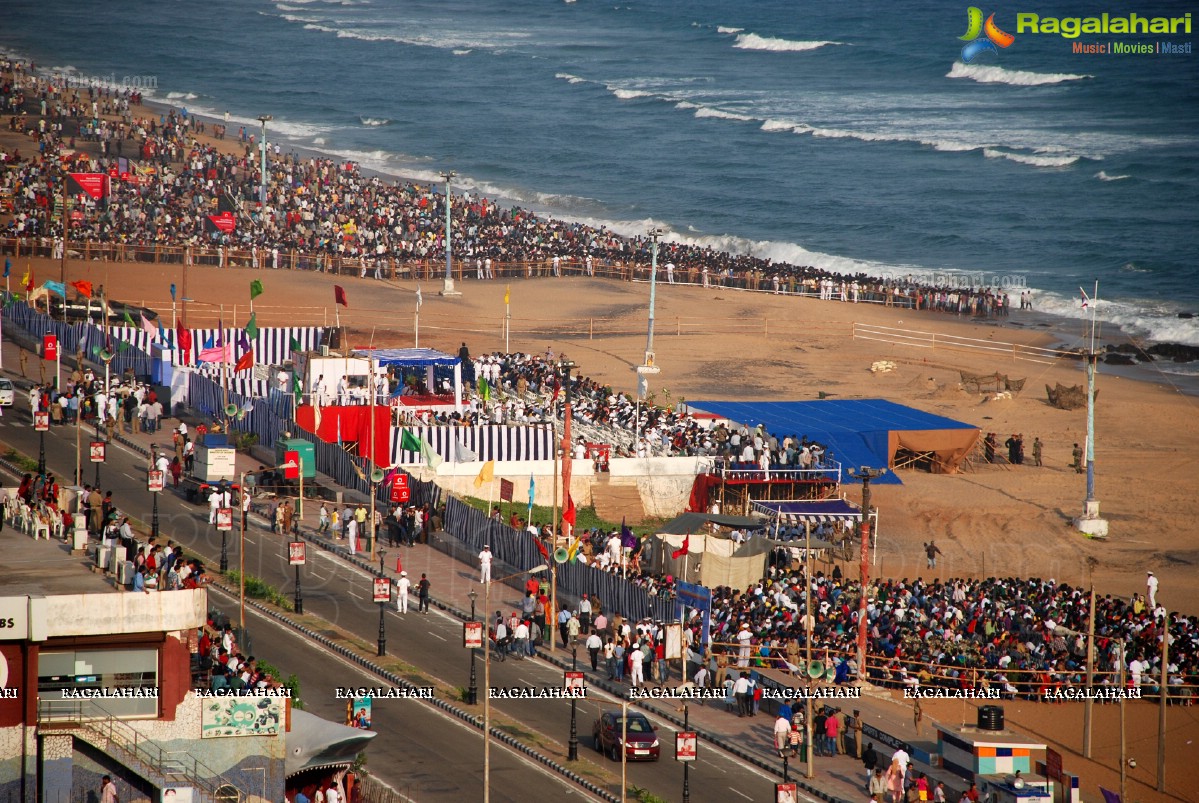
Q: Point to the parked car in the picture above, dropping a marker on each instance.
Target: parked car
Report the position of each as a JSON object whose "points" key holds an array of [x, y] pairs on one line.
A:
{"points": [[642, 744], [8, 393]]}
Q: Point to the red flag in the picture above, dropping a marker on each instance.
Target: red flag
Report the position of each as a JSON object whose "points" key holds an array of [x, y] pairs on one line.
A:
{"points": [[245, 362], [339, 295], [185, 337], [545, 553], [84, 288], [29, 283], [686, 549], [557, 389], [569, 514]]}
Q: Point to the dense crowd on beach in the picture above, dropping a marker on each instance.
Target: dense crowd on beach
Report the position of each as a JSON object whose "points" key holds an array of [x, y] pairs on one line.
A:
{"points": [[171, 177]]}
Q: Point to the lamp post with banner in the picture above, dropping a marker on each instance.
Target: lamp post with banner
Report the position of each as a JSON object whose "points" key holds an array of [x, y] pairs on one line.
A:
{"points": [[154, 482], [473, 640], [295, 556], [686, 750], [574, 685], [96, 451], [382, 595], [41, 423]]}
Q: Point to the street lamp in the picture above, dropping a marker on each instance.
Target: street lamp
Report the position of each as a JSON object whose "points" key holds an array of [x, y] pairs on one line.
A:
{"points": [[241, 549], [447, 288], [264, 119], [865, 474], [41, 422], [487, 684], [567, 366], [472, 691], [654, 234]]}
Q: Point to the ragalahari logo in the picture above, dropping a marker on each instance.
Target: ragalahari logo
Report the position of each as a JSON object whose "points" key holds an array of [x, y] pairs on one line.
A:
{"points": [[982, 36]]}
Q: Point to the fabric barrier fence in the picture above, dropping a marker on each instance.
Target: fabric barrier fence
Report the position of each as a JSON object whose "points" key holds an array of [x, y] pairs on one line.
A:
{"points": [[468, 444], [519, 549]]}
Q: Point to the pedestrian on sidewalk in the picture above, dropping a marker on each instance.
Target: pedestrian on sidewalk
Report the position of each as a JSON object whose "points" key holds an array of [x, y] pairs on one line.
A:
{"points": [[782, 734], [485, 565], [594, 644], [323, 525]]}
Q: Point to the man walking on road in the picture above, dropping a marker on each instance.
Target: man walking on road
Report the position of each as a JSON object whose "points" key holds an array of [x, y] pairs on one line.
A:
{"points": [[402, 586], [422, 590]]}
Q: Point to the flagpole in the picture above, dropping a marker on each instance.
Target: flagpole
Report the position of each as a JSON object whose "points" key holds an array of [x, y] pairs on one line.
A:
{"points": [[370, 381], [507, 320]]}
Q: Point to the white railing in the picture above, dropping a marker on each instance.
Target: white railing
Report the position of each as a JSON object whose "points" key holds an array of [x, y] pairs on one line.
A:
{"points": [[936, 340]]}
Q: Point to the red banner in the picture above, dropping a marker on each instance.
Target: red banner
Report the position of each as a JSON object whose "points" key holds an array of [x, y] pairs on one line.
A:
{"points": [[225, 222], [50, 347], [94, 184], [352, 424]]}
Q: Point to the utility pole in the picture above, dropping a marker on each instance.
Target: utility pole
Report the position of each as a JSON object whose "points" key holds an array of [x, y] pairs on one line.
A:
{"points": [[865, 474], [447, 287], [1089, 703], [1161, 711], [1123, 738]]}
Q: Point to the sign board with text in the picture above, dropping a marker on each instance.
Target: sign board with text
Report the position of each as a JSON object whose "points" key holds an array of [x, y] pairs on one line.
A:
{"points": [[95, 451], [786, 793], [295, 553], [400, 493], [154, 481], [41, 421], [573, 680], [472, 635], [382, 589], [50, 347]]}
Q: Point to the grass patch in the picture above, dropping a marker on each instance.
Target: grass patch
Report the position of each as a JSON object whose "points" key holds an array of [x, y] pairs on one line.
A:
{"points": [[586, 516], [256, 588], [27, 463]]}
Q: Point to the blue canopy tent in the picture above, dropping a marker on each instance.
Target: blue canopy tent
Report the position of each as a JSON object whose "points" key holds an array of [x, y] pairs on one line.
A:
{"points": [[429, 359], [858, 432]]}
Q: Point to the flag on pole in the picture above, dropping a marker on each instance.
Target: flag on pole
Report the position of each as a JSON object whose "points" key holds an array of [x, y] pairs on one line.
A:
{"points": [[27, 280], [149, 327], [627, 539], [484, 389], [532, 490], [432, 459], [255, 289], [684, 550], [339, 296], [574, 549], [507, 294], [127, 318], [486, 474], [545, 553], [7, 267], [409, 442], [185, 337], [245, 362], [569, 514], [56, 287], [420, 299], [1086, 300], [252, 326], [172, 291], [84, 288], [294, 344]]}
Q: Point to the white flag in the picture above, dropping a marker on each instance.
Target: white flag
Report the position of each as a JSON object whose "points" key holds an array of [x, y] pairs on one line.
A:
{"points": [[419, 298]]}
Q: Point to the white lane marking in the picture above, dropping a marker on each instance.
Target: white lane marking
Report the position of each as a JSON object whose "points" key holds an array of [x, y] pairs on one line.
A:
{"points": [[434, 635], [747, 797]]}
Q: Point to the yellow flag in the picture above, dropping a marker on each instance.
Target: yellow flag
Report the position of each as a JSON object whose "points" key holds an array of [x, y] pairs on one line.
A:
{"points": [[486, 474], [507, 294], [25, 278], [574, 549]]}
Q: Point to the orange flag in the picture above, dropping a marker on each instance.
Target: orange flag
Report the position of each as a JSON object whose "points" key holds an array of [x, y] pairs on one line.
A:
{"points": [[245, 361], [84, 288]]}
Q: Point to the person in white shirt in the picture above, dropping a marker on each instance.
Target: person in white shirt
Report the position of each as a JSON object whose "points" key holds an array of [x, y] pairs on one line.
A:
{"points": [[485, 564], [352, 532], [214, 502], [1151, 585], [402, 586], [637, 665]]}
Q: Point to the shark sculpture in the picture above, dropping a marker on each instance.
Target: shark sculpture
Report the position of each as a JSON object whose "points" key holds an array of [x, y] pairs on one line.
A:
{"points": [[316, 743]]}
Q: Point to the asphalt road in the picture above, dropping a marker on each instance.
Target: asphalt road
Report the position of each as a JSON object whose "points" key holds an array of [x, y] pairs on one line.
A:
{"points": [[437, 753]]}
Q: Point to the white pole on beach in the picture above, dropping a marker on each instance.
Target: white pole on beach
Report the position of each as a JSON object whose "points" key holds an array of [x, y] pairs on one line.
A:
{"points": [[447, 287], [1090, 522]]}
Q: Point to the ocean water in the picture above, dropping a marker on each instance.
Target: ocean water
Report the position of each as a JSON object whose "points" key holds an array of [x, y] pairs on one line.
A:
{"points": [[845, 135]]}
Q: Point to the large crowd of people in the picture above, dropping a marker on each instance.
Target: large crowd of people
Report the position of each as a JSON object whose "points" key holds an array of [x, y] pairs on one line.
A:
{"points": [[170, 177]]}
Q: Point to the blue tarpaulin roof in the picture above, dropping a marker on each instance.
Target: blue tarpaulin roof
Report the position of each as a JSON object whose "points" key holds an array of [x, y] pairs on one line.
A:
{"points": [[811, 510], [407, 358], [856, 432]]}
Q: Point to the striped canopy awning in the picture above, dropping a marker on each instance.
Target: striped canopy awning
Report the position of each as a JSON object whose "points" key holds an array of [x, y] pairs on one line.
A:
{"points": [[816, 512]]}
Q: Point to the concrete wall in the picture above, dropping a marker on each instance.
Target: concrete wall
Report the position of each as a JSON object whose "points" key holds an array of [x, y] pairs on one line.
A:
{"points": [[158, 611], [664, 482]]}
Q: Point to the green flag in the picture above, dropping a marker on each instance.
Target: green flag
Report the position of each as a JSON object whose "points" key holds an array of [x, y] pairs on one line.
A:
{"points": [[294, 344], [122, 345], [129, 319], [252, 326], [409, 442], [484, 389], [255, 289]]}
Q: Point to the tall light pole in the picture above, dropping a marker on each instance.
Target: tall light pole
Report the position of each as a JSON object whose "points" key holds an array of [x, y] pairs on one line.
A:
{"points": [[865, 474], [241, 549], [1090, 522], [447, 287], [264, 119], [566, 366], [487, 684], [808, 628], [572, 744], [648, 367]]}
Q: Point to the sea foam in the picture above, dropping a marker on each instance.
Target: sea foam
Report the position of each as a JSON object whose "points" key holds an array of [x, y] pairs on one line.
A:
{"points": [[990, 74], [751, 41]]}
